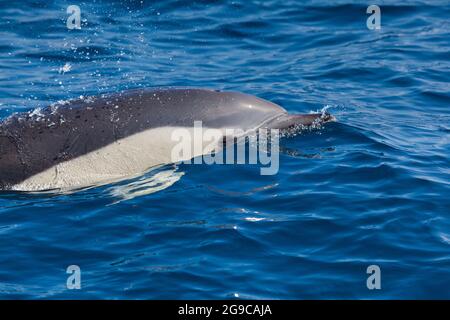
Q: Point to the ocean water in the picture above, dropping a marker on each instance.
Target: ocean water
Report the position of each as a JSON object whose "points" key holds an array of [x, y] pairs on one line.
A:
{"points": [[372, 188]]}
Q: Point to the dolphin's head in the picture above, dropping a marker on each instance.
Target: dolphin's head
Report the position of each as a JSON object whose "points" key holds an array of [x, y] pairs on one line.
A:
{"points": [[250, 111]]}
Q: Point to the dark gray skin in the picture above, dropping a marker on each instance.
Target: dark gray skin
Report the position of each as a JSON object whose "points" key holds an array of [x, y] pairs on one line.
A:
{"points": [[33, 142]]}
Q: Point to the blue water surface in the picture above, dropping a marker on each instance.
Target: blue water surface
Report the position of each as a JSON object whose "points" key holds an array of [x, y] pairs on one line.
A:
{"points": [[370, 189]]}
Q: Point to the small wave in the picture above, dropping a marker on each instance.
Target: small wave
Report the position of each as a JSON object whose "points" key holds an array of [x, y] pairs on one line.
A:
{"points": [[156, 180]]}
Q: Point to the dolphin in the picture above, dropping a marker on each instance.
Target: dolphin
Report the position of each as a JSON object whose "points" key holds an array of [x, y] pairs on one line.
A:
{"points": [[100, 139]]}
